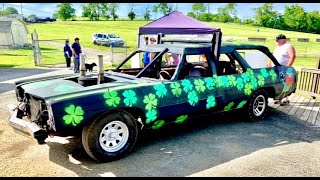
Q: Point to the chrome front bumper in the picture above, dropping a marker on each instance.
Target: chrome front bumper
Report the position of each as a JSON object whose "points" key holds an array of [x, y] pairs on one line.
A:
{"points": [[25, 127]]}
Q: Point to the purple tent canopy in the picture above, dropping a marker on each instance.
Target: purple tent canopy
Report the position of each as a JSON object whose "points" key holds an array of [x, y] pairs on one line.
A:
{"points": [[177, 23]]}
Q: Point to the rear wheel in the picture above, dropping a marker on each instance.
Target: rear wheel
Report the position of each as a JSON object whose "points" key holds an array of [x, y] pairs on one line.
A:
{"points": [[110, 136], [258, 105]]}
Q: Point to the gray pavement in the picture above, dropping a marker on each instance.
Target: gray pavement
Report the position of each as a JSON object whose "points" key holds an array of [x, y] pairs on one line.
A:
{"points": [[10, 75], [210, 145]]}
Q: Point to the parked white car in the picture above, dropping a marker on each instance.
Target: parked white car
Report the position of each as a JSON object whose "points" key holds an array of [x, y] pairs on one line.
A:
{"points": [[106, 39]]}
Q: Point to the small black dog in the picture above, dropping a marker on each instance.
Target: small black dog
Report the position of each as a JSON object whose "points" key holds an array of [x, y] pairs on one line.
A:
{"points": [[90, 66]]}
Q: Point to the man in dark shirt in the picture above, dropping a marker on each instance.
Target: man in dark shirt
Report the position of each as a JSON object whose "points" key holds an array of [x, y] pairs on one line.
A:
{"points": [[67, 53], [76, 49]]}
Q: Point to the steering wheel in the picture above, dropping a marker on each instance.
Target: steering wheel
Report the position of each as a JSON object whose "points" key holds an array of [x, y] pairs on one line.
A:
{"points": [[164, 75]]}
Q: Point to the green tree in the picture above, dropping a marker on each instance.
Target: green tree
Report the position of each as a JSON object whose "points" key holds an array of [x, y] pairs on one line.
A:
{"points": [[155, 10], [207, 17], [65, 11], [164, 8], [198, 8], [147, 15], [248, 21], [113, 10], [265, 16], [295, 18], [32, 16], [313, 22], [8, 11], [191, 14], [227, 13], [11, 10], [95, 10], [131, 15]]}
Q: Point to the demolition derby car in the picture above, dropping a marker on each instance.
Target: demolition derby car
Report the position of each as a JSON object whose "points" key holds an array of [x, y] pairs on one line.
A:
{"points": [[181, 80]]}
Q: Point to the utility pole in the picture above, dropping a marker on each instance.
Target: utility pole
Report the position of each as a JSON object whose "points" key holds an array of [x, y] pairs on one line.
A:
{"points": [[21, 11], [2, 6]]}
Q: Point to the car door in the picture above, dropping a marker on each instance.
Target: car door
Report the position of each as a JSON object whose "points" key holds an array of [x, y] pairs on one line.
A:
{"points": [[235, 80], [188, 89]]}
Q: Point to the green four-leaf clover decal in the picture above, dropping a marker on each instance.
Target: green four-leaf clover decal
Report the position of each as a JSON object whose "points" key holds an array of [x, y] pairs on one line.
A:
{"points": [[112, 98], [74, 116], [130, 98], [199, 84], [161, 90], [193, 98], [175, 88], [151, 116], [187, 86], [210, 83], [151, 101], [211, 102]]}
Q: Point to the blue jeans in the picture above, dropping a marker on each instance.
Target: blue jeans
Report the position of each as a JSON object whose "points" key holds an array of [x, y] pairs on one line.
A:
{"points": [[76, 61]]}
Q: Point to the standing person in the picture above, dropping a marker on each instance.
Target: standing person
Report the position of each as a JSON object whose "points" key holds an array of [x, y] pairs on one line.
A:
{"points": [[67, 54], [76, 49], [152, 41], [145, 57], [285, 55], [146, 40]]}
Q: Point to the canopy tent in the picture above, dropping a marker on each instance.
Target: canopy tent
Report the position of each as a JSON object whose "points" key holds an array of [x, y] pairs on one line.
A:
{"points": [[176, 23]]}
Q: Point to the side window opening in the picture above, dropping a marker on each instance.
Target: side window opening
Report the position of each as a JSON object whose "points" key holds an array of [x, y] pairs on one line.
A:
{"points": [[255, 58], [196, 66], [229, 64]]}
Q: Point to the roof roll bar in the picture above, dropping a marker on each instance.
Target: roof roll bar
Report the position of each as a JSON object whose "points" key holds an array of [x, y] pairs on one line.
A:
{"points": [[215, 41]]}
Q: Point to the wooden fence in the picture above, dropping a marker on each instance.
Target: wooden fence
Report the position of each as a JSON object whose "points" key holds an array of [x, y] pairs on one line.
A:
{"points": [[309, 82]]}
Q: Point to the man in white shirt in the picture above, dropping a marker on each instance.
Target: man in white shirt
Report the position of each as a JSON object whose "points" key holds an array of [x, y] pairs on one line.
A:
{"points": [[286, 55]]}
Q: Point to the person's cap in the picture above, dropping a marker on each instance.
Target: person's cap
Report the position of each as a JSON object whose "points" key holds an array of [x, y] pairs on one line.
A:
{"points": [[280, 36], [76, 39], [67, 41]]}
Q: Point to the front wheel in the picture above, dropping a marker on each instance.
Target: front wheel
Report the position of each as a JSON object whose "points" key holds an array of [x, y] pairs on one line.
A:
{"points": [[110, 136], [258, 105]]}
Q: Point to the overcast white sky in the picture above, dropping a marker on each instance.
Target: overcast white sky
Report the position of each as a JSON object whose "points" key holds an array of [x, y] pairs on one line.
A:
{"points": [[244, 9]]}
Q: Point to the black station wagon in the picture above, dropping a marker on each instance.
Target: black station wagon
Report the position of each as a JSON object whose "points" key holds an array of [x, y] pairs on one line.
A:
{"points": [[182, 79]]}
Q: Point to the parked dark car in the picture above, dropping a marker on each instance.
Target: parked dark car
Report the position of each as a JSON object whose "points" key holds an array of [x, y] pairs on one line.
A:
{"points": [[36, 20], [181, 81], [48, 19]]}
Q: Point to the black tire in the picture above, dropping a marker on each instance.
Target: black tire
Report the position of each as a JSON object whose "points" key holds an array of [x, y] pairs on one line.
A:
{"points": [[94, 42], [118, 120], [258, 113]]}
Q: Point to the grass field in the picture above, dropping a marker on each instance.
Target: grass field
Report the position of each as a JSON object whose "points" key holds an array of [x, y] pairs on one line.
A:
{"points": [[128, 30]]}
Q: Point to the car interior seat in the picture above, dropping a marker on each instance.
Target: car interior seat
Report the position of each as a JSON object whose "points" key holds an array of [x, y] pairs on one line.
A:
{"points": [[196, 71], [226, 68]]}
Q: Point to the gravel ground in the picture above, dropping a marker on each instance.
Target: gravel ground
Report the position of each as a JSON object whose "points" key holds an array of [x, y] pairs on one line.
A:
{"points": [[213, 145]]}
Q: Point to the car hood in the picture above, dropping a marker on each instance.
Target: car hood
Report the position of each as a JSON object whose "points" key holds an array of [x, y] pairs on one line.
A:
{"points": [[65, 88]]}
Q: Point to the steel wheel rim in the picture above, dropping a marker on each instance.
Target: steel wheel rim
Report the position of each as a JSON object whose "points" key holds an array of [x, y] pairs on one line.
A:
{"points": [[114, 136], [259, 105]]}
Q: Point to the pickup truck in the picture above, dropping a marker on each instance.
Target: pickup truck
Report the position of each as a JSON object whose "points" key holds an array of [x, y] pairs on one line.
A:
{"points": [[181, 80]]}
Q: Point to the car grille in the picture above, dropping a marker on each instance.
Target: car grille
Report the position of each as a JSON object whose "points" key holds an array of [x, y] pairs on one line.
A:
{"points": [[36, 107]]}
